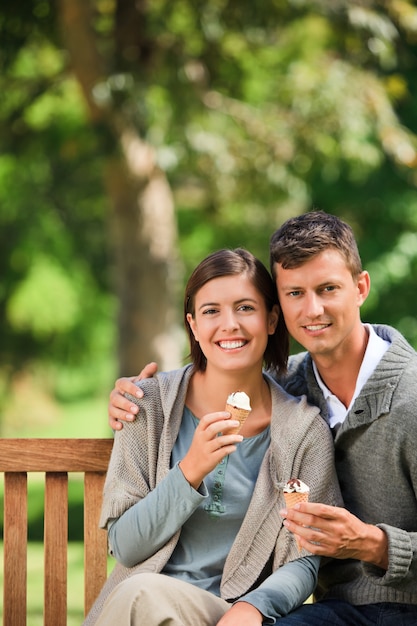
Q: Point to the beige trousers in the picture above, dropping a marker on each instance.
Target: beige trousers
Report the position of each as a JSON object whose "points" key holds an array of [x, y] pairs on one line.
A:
{"points": [[159, 600]]}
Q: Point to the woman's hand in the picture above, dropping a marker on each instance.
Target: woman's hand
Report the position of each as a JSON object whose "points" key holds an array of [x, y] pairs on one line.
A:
{"points": [[241, 614], [209, 446], [120, 408]]}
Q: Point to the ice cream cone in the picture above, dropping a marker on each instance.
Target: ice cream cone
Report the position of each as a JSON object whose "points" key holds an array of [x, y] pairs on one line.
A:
{"points": [[292, 497], [237, 414], [238, 404]]}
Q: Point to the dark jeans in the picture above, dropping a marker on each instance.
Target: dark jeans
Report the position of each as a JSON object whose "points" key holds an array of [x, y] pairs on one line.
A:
{"points": [[339, 613]]}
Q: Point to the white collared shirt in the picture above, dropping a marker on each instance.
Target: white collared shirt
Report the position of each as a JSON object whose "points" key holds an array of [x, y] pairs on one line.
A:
{"points": [[374, 352]]}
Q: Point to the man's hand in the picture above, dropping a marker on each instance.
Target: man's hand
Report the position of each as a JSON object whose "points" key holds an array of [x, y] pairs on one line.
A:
{"points": [[120, 408], [241, 614], [333, 531]]}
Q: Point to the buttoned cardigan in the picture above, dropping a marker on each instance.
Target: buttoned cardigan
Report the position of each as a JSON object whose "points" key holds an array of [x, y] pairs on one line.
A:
{"points": [[301, 446]]}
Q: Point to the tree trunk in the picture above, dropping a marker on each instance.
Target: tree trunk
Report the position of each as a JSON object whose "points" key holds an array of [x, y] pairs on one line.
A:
{"points": [[142, 226], [143, 235]]}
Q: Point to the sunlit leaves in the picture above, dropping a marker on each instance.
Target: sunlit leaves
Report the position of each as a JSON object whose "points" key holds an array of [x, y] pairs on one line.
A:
{"points": [[46, 301], [60, 103], [406, 14]]}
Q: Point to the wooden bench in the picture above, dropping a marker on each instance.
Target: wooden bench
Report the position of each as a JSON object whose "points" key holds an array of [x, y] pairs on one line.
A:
{"points": [[56, 458]]}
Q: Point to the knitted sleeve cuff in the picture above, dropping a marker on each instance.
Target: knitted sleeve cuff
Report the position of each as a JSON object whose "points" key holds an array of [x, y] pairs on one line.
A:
{"points": [[400, 556]]}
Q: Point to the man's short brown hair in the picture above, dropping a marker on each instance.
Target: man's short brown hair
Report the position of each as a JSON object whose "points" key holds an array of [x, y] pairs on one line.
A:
{"points": [[303, 237]]}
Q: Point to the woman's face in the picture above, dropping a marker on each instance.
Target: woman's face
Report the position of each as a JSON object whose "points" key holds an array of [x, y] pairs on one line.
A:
{"points": [[231, 323]]}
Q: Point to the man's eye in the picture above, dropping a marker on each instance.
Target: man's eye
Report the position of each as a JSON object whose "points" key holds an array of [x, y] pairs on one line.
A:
{"points": [[294, 293]]}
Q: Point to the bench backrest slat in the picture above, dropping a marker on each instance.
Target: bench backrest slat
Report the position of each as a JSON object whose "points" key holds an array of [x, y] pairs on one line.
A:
{"points": [[15, 549], [56, 458]]}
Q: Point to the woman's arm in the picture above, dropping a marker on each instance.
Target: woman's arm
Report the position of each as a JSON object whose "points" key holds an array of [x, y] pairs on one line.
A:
{"points": [[144, 513], [282, 592], [144, 528]]}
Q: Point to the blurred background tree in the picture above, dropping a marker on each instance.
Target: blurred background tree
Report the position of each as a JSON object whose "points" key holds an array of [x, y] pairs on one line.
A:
{"points": [[138, 136]]}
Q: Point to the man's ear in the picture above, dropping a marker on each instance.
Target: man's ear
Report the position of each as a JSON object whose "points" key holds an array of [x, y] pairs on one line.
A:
{"points": [[364, 286]]}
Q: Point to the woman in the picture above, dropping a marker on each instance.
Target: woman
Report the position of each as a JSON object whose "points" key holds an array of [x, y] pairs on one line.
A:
{"points": [[192, 511]]}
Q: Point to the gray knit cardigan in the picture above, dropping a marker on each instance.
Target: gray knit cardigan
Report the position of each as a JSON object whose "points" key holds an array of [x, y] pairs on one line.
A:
{"points": [[301, 446], [376, 462]]}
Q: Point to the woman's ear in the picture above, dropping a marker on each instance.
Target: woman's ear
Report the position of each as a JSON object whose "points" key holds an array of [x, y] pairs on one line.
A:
{"points": [[273, 317], [192, 325]]}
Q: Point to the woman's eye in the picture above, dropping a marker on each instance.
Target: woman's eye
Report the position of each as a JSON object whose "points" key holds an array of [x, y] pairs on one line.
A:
{"points": [[209, 311]]}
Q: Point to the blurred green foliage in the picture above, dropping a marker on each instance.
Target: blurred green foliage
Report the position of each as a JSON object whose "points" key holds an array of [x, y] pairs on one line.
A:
{"points": [[257, 111]]}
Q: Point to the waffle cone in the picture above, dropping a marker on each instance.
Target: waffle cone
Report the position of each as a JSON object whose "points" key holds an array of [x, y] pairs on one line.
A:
{"points": [[237, 414], [291, 499]]}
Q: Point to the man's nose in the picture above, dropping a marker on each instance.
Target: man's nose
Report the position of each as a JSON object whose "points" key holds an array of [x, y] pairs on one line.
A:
{"points": [[313, 306]]}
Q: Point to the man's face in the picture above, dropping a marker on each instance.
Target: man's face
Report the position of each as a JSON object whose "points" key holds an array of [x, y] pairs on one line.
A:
{"points": [[320, 301]]}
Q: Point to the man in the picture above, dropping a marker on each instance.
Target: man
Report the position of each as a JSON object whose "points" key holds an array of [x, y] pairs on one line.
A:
{"points": [[363, 378]]}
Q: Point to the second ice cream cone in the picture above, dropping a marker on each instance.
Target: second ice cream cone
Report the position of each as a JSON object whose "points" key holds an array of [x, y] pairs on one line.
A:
{"points": [[295, 491], [293, 498]]}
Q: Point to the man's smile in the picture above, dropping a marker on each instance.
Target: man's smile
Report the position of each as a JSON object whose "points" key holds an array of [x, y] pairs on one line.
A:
{"points": [[316, 327]]}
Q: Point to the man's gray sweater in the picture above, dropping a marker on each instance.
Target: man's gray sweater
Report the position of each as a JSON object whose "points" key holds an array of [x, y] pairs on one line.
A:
{"points": [[376, 462]]}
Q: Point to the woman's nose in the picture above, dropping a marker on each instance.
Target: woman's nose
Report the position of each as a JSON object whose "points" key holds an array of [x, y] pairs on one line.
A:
{"points": [[229, 321]]}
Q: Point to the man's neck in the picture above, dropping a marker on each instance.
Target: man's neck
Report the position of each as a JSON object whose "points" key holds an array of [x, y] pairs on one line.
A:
{"points": [[339, 372]]}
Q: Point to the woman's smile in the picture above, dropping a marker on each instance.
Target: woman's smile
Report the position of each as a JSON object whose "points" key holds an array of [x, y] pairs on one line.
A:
{"points": [[232, 344]]}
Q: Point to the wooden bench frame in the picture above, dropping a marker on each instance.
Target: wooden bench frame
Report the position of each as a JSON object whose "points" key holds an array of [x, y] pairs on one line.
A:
{"points": [[55, 457]]}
